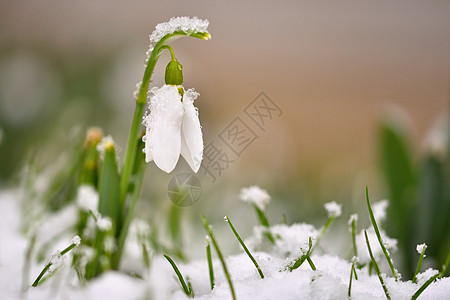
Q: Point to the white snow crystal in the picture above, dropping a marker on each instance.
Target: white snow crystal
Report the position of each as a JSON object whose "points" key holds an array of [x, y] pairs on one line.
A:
{"points": [[107, 141], [136, 91], [379, 210], [424, 276], [352, 218], [185, 24], [87, 198], [56, 260], [140, 227], [255, 195], [76, 240], [104, 223], [421, 247], [333, 209]]}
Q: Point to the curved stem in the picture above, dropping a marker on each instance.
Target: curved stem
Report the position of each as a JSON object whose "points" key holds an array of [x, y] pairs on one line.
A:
{"points": [[172, 54]]}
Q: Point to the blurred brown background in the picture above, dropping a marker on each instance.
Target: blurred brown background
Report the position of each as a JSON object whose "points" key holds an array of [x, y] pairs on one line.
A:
{"points": [[333, 67]]}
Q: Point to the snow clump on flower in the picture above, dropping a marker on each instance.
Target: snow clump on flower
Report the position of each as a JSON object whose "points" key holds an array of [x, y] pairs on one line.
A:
{"points": [[185, 24]]}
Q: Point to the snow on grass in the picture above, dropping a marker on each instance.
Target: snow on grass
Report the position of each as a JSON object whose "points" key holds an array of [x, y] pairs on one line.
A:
{"points": [[87, 198], [255, 195], [330, 281], [333, 209]]}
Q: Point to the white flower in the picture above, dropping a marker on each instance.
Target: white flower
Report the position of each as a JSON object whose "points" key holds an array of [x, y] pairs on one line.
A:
{"points": [[256, 195], [172, 127]]}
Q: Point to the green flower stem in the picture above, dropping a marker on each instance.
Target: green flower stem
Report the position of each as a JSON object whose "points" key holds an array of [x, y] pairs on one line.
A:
{"points": [[139, 172], [210, 265], [244, 247], [375, 266], [140, 106], [419, 265], [172, 54], [377, 232], [219, 253], [36, 282], [186, 287], [133, 138]]}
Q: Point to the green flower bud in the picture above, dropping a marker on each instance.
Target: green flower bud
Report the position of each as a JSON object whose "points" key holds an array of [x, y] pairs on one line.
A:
{"points": [[174, 73]]}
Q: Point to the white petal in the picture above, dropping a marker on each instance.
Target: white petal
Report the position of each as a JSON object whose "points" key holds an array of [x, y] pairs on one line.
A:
{"points": [[163, 133], [191, 132]]}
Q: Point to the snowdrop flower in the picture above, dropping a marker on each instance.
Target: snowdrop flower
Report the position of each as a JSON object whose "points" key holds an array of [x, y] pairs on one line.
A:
{"points": [[172, 124]]}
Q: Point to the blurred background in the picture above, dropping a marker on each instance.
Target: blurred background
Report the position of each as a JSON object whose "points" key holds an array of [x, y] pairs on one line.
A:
{"points": [[336, 70]]}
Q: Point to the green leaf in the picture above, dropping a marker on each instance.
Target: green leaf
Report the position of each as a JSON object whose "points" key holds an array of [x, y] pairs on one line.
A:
{"points": [[400, 177], [433, 206], [109, 185]]}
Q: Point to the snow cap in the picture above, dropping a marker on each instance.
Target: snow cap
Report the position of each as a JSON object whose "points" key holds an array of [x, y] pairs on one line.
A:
{"points": [[255, 195], [333, 209]]}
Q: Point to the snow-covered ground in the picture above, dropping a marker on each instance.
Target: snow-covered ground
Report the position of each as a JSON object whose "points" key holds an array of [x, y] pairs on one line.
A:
{"points": [[329, 281]]}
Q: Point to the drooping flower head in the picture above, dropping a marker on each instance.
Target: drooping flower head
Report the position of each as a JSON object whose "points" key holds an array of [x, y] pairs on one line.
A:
{"points": [[172, 128]]}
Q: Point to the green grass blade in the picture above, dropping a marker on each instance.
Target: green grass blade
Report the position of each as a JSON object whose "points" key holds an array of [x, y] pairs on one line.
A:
{"points": [[186, 289], [128, 215], [45, 269], [264, 222], [219, 253], [210, 264], [419, 264], [109, 185], [400, 176], [375, 266], [377, 232], [445, 266], [306, 256], [352, 270], [236, 234], [424, 286]]}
